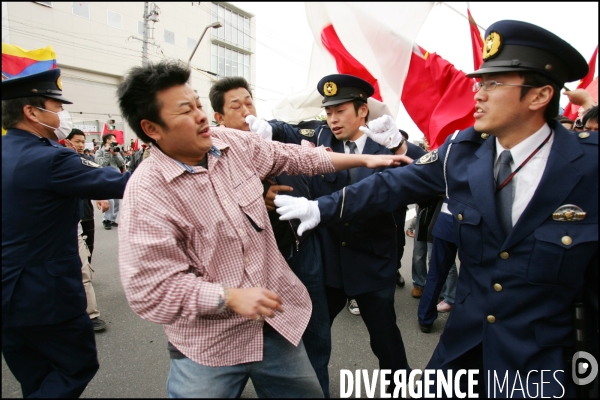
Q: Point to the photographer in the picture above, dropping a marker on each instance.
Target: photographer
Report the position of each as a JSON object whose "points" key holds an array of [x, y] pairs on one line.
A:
{"points": [[109, 155]]}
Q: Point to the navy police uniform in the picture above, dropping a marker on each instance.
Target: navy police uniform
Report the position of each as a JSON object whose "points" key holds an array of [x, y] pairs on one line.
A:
{"points": [[360, 258], [513, 313], [47, 337]]}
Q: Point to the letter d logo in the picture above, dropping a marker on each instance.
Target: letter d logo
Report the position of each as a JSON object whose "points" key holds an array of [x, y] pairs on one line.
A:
{"points": [[584, 364]]}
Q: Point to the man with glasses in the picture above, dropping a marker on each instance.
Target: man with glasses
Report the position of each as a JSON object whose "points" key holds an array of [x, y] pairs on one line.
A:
{"points": [[523, 193]]}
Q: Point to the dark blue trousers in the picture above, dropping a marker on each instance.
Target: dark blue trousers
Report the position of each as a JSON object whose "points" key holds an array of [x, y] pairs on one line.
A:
{"points": [[378, 312], [52, 360], [443, 255], [308, 267]]}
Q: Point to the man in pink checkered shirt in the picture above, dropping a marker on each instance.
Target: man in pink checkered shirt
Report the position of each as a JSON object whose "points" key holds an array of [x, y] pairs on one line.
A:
{"points": [[197, 252]]}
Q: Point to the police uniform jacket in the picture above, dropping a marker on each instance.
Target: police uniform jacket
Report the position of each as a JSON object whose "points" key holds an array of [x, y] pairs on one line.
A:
{"points": [[360, 256], [42, 184], [515, 292]]}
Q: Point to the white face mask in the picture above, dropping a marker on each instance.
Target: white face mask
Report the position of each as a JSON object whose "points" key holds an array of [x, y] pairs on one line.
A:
{"points": [[65, 125]]}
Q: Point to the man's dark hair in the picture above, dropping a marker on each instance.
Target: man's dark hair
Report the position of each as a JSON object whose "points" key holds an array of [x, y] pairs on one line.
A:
{"points": [[86, 151], [357, 103], [106, 137], [12, 110], [536, 80], [137, 93], [74, 132], [591, 114], [222, 86]]}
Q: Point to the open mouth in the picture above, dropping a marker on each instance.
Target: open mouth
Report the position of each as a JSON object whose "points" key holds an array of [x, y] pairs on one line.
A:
{"points": [[336, 130], [204, 130]]}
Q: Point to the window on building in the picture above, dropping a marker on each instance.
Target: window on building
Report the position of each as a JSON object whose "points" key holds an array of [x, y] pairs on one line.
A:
{"points": [[81, 9], [169, 37], [191, 43], [44, 3], [228, 62], [236, 27], [114, 19], [140, 27]]}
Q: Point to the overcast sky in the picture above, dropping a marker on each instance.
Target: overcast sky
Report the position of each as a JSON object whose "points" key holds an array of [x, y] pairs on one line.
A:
{"points": [[284, 40]]}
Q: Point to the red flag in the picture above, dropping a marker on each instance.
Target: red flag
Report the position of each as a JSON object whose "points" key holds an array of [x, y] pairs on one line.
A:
{"points": [[119, 137], [476, 41], [437, 96], [135, 146], [571, 111]]}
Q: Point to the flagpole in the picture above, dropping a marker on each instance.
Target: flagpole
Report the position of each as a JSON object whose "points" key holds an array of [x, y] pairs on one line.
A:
{"points": [[461, 14]]}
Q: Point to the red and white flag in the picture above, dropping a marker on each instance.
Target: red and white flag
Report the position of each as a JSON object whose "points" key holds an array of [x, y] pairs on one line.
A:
{"points": [[371, 40]]}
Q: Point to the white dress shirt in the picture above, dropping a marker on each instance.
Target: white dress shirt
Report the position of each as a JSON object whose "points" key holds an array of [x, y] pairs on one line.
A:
{"points": [[526, 181], [360, 144]]}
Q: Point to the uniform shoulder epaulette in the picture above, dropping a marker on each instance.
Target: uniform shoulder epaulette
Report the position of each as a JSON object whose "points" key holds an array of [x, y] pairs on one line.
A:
{"points": [[469, 135], [588, 137]]}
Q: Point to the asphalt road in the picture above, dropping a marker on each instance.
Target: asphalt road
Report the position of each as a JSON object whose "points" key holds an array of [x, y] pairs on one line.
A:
{"points": [[133, 356]]}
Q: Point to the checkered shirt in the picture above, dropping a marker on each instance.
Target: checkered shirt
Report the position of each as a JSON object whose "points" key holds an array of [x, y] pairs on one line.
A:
{"points": [[183, 234]]}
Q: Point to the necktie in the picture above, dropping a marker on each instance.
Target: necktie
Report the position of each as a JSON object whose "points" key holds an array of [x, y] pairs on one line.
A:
{"points": [[504, 197], [352, 171]]}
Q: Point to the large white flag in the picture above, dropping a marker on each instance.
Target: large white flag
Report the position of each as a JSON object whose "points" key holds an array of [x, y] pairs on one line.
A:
{"points": [[373, 41]]}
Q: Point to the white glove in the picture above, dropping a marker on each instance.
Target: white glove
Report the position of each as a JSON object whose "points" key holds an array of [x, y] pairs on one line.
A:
{"points": [[260, 126], [384, 131], [307, 211]]}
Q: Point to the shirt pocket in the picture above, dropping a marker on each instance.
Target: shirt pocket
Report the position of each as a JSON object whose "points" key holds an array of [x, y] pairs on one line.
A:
{"points": [[468, 230], [561, 253], [249, 197]]}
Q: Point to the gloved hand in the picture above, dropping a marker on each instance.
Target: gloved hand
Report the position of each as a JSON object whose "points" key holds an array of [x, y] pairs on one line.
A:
{"points": [[384, 131], [260, 126], [307, 211]]}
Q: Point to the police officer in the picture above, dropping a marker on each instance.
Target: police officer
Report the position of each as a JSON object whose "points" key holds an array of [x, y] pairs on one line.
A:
{"points": [[360, 259], [523, 192], [47, 337]]}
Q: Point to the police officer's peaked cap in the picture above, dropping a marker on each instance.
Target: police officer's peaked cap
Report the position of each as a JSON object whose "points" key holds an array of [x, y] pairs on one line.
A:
{"points": [[520, 46], [45, 84], [340, 88]]}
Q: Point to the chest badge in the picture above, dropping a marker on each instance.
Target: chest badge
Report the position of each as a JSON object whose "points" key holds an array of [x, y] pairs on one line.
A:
{"points": [[568, 212], [307, 132], [428, 158]]}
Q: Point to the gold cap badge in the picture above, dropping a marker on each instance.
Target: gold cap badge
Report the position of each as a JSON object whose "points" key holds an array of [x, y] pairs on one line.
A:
{"points": [[492, 45], [330, 89], [59, 83]]}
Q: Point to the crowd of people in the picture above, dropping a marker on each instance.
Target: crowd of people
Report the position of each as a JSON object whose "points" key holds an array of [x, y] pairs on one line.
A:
{"points": [[262, 232]]}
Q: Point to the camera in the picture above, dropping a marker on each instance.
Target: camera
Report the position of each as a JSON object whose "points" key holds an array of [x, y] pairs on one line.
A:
{"points": [[115, 148]]}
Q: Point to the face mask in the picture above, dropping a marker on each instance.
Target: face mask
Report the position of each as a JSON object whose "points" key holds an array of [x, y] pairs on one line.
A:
{"points": [[65, 125]]}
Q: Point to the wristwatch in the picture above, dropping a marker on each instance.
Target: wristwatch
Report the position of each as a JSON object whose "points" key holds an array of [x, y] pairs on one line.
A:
{"points": [[394, 149]]}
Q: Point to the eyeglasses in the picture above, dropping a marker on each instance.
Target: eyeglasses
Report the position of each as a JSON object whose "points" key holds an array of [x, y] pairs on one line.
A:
{"points": [[491, 85]]}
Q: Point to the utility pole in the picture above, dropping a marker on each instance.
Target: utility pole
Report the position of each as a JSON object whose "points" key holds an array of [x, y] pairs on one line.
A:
{"points": [[145, 37], [149, 16]]}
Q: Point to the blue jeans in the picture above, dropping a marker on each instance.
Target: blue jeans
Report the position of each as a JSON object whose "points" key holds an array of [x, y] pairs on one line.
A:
{"points": [[283, 372], [308, 267], [419, 259], [113, 211]]}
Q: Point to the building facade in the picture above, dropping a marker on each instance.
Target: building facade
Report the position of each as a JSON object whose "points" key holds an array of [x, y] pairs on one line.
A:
{"points": [[96, 43]]}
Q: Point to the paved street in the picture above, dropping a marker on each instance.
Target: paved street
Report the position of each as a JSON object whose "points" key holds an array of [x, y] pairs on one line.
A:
{"points": [[133, 356]]}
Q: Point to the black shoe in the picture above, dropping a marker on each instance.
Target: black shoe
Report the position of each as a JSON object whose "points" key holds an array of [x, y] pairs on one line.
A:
{"points": [[399, 279], [425, 328], [106, 224], [99, 325], [113, 223]]}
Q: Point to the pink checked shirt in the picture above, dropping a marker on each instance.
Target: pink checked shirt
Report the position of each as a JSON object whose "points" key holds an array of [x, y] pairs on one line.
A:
{"points": [[184, 234]]}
